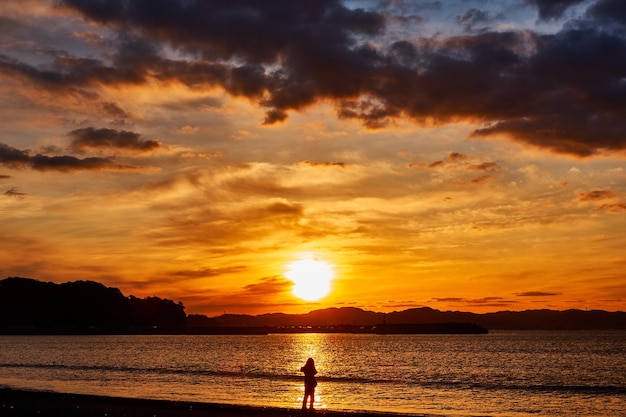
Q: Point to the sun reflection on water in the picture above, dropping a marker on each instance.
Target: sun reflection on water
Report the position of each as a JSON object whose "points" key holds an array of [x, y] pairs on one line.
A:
{"points": [[312, 345]]}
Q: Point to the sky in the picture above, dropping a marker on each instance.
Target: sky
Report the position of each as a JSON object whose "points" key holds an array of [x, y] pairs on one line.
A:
{"points": [[463, 155]]}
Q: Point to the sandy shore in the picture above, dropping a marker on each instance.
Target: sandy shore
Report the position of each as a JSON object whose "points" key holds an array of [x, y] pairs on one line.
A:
{"points": [[21, 403]]}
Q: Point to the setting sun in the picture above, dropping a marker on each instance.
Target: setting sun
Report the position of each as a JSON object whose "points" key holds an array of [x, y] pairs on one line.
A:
{"points": [[311, 278]]}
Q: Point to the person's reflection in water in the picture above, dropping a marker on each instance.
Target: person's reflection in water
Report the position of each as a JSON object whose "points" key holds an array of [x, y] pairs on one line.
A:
{"points": [[309, 383]]}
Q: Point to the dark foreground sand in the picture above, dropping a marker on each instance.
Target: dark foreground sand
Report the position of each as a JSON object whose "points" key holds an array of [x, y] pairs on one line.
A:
{"points": [[19, 403]]}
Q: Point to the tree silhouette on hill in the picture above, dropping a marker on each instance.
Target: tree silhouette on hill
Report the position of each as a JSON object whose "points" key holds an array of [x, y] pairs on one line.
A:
{"points": [[31, 306]]}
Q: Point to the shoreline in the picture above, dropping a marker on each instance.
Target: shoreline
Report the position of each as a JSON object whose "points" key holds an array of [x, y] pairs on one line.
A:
{"points": [[31, 403]]}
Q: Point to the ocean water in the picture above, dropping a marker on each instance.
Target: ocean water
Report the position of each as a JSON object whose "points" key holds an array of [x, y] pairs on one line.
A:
{"points": [[499, 374]]}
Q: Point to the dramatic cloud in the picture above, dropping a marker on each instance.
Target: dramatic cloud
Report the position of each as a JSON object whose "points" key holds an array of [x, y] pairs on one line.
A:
{"points": [[563, 91], [577, 111], [110, 139], [16, 158]]}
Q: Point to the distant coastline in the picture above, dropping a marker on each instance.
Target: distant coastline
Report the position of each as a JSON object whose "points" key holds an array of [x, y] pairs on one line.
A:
{"points": [[28, 306], [425, 328]]}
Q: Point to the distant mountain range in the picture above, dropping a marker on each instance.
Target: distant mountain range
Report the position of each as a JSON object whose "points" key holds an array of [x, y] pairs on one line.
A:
{"points": [[35, 307], [503, 320]]}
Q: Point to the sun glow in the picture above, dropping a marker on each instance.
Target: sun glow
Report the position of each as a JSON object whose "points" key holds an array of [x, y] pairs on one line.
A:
{"points": [[311, 278]]}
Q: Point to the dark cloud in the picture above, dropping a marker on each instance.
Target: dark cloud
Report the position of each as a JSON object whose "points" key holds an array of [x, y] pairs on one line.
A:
{"points": [[482, 179], [478, 302], [282, 209], [596, 195], [324, 164], [477, 20], [110, 139], [266, 287], [608, 11], [607, 200], [13, 157], [536, 294], [570, 96], [16, 158], [450, 299], [92, 38], [3, 177], [614, 207], [456, 156], [70, 163], [563, 92], [252, 30], [453, 158], [487, 166], [15, 192], [112, 109], [552, 9], [71, 75], [403, 304], [456, 160]]}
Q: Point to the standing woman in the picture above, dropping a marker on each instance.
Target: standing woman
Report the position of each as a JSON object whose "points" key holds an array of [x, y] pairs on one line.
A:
{"points": [[309, 382]]}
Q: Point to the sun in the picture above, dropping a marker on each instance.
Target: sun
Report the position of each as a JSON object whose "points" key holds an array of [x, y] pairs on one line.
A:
{"points": [[311, 278]]}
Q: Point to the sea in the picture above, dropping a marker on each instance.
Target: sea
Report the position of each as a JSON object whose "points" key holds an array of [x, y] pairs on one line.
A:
{"points": [[503, 373]]}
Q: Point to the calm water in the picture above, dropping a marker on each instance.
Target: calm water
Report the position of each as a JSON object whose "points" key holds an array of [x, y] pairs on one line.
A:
{"points": [[499, 374]]}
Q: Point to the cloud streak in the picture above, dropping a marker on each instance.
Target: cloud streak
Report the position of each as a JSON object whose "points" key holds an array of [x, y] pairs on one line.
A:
{"points": [[16, 158], [536, 294], [90, 137], [15, 192]]}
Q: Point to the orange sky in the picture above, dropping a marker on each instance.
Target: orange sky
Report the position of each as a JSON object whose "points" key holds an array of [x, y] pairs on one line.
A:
{"points": [[134, 154]]}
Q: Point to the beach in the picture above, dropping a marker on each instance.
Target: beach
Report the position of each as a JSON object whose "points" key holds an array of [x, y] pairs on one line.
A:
{"points": [[26, 403]]}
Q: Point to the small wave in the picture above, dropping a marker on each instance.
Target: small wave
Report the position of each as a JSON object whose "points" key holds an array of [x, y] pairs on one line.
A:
{"points": [[581, 389], [537, 388], [439, 384], [198, 372], [155, 370]]}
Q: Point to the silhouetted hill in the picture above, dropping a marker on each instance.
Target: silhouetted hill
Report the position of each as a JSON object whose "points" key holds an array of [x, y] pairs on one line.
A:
{"points": [[518, 320], [325, 317], [31, 306]]}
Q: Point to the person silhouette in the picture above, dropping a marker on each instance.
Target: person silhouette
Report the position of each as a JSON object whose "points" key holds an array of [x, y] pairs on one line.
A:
{"points": [[309, 382]]}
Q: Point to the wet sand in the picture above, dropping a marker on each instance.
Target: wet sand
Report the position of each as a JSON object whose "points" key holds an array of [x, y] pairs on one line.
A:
{"points": [[22, 403]]}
